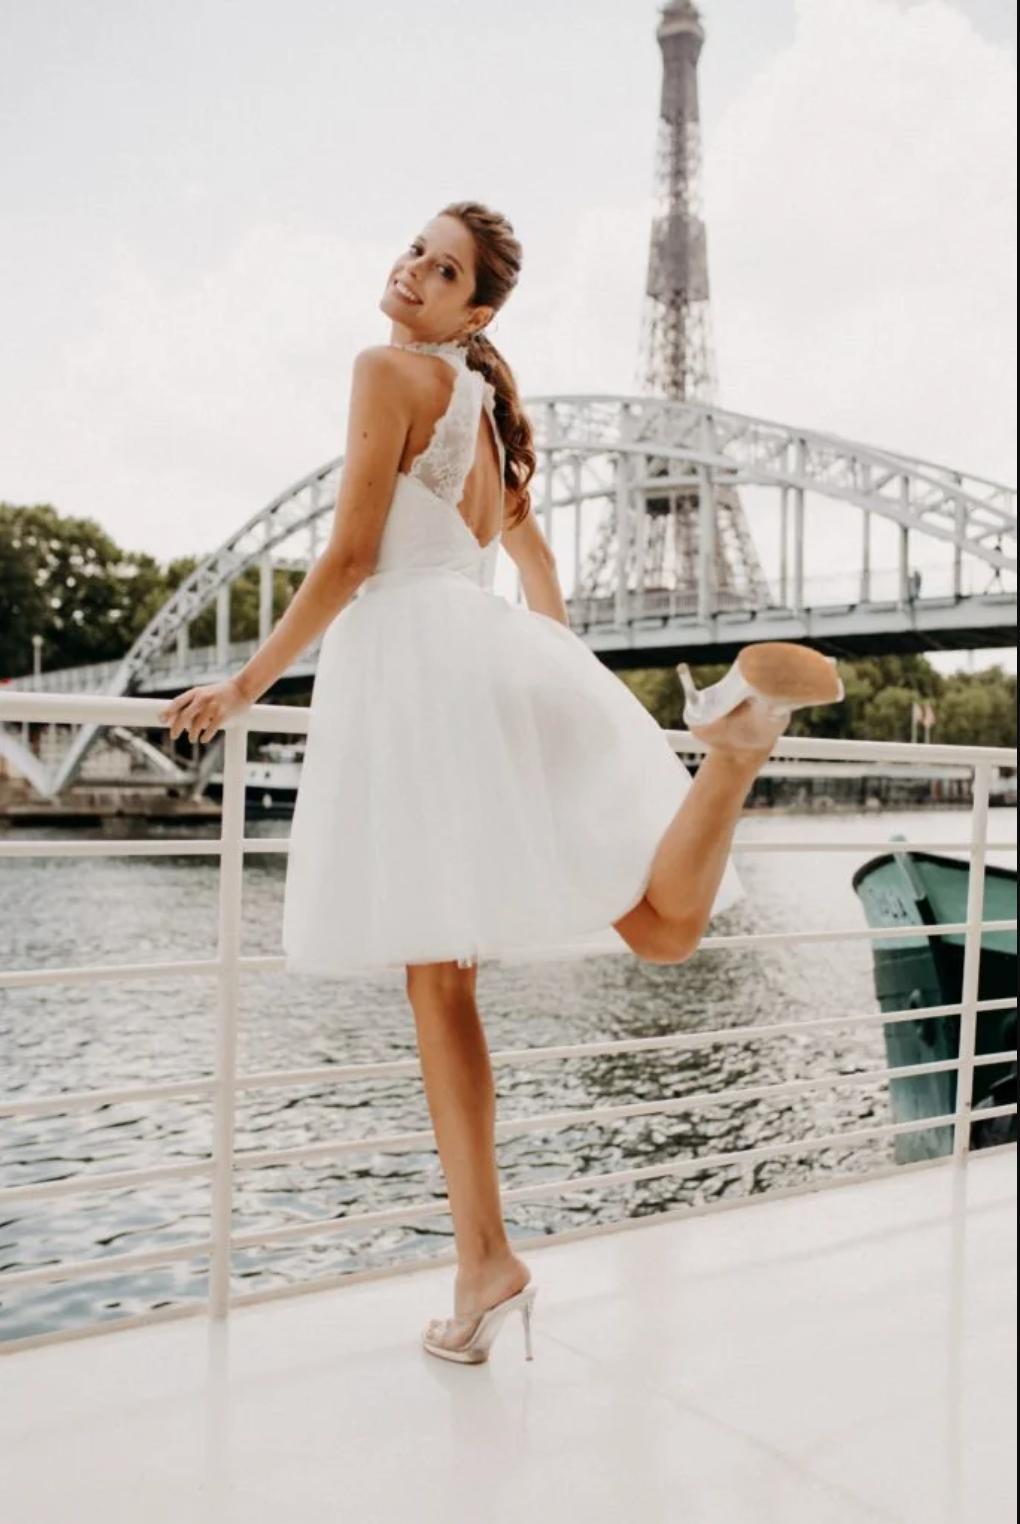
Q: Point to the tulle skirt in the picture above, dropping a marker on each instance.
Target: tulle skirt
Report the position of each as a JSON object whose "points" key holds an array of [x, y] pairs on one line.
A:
{"points": [[475, 785]]}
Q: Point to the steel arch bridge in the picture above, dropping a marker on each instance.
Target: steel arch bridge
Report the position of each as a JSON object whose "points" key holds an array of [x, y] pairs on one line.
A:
{"points": [[612, 471]]}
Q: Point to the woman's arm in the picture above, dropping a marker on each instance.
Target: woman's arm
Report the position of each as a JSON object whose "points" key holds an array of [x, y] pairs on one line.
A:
{"points": [[377, 426], [529, 549]]}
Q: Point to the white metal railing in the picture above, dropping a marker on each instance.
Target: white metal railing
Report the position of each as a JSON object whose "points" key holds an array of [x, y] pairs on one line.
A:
{"points": [[228, 965]]}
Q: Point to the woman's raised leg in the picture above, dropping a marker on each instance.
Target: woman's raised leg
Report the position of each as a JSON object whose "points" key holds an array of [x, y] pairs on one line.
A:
{"points": [[740, 718], [669, 922]]}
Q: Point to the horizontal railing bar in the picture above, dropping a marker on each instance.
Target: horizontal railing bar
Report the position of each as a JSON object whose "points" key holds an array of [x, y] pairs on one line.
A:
{"points": [[395, 1067], [118, 1263], [110, 1264], [277, 962], [741, 1157], [810, 748], [77, 1100], [293, 719], [424, 1141], [84, 973], [185, 847], [847, 934], [963, 847], [175, 846], [81, 1185]]}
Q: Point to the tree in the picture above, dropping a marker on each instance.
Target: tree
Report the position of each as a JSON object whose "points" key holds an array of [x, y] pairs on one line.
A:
{"points": [[67, 580]]}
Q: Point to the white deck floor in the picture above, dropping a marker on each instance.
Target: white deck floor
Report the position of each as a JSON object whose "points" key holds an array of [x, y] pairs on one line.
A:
{"points": [[840, 1356]]}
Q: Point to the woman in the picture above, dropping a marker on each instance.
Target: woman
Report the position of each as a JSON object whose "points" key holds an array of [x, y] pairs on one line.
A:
{"points": [[475, 782]]}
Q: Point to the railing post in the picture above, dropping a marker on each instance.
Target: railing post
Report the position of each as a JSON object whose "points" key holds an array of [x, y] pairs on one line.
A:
{"points": [[548, 475], [708, 602], [577, 488], [798, 529], [622, 520], [222, 650], [960, 531], [231, 877], [971, 962]]}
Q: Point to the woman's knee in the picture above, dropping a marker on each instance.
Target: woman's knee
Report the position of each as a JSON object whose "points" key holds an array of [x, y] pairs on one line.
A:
{"points": [[658, 940]]}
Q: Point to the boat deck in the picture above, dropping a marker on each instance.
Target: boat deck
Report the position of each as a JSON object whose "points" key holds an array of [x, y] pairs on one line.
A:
{"points": [[836, 1356]]}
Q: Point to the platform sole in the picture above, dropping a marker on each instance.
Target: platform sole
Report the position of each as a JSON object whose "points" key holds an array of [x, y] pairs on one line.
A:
{"points": [[789, 674]]}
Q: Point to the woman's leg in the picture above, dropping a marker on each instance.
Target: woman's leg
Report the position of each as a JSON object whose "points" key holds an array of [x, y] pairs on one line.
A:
{"points": [[669, 920], [667, 924], [460, 1093]]}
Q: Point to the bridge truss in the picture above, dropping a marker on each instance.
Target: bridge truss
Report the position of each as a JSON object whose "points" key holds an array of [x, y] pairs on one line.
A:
{"points": [[614, 472]]}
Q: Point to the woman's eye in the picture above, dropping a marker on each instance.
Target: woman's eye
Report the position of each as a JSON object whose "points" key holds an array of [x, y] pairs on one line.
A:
{"points": [[415, 248]]}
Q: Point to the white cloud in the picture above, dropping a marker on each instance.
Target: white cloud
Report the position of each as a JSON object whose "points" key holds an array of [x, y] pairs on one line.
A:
{"points": [[862, 233]]}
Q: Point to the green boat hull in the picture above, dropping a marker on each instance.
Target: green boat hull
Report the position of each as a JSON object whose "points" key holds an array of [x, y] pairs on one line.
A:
{"points": [[908, 889]]}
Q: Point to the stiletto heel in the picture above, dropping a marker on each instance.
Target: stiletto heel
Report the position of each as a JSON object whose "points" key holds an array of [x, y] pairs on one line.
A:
{"points": [[776, 676], [475, 1349]]}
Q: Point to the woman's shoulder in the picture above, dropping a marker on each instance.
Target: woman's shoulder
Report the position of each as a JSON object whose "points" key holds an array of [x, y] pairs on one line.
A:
{"points": [[387, 365], [378, 361]]}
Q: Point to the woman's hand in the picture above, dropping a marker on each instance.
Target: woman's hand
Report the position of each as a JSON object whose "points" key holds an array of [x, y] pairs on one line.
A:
{"points": [[202, 711]]}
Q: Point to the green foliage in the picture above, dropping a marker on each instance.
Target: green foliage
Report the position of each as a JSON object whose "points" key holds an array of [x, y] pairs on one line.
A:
{"points": [[66, 580]]}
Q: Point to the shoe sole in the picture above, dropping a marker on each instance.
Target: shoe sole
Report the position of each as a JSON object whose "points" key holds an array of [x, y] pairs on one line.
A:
{"points": [[461, 1356], [477, 1355], [790, 674]]}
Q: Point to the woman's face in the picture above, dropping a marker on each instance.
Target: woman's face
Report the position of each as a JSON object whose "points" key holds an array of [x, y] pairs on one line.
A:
{"points": [[428, 287]]}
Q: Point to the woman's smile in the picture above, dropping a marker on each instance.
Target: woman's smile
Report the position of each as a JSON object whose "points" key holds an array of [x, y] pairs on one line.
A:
{"points": [[405, 292]]}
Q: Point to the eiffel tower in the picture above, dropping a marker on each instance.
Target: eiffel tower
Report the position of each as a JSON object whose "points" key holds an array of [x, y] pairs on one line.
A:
{"points": [[677, 360]]}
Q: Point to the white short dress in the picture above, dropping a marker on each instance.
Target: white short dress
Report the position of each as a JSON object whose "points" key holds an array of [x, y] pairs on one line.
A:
{"points": [[476, 785]]}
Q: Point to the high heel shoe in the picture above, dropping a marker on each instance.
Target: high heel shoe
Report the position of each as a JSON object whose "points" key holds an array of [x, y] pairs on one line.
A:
{"points": [[475, 1349], [777, 676]]}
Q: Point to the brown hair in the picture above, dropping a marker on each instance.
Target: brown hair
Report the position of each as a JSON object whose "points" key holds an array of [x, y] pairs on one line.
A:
{"points": [[498, 256]]}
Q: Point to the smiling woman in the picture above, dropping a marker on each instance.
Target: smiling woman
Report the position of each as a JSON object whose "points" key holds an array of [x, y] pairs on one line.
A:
{"points": [[476, 784]]}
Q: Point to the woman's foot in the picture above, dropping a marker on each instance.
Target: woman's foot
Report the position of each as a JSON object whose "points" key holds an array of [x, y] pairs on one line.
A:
{"points": [[749, 708], [474, 1292], [749, 731]]}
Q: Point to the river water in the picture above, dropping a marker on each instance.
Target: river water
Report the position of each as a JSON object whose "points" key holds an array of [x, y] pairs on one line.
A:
{"points": [[62, 911]]}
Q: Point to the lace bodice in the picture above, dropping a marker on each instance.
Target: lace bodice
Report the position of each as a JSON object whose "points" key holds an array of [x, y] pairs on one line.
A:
{"points": [[425, 528], [447, 458]]}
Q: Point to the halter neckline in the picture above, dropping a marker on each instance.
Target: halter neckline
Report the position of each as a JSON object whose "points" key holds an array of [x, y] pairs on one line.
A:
{"points": [[448, 347]]}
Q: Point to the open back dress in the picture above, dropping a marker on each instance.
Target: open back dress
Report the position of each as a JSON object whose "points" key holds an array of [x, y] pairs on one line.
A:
{"points": [[476, 784]]}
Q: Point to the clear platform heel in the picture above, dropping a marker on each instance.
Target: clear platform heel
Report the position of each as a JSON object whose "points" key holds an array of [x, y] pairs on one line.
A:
{"points": [[475, 1349]]}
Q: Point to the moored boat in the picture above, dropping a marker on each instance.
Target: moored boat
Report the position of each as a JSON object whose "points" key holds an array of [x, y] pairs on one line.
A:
{"points": [[914, 889]]}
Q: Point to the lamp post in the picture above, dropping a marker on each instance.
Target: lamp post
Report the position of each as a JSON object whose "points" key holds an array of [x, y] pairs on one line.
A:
{"points": [[37, 641]]}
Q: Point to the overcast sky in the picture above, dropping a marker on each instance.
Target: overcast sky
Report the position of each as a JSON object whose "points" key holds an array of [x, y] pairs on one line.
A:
{"points": [[201, 201]]}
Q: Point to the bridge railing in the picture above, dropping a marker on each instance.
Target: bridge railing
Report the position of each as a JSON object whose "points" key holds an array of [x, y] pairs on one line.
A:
{"points": [[228, 967], [820, 594]]}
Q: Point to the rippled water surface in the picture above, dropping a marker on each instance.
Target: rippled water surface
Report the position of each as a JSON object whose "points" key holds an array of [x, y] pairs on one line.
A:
{"points": [[60, 912]]}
